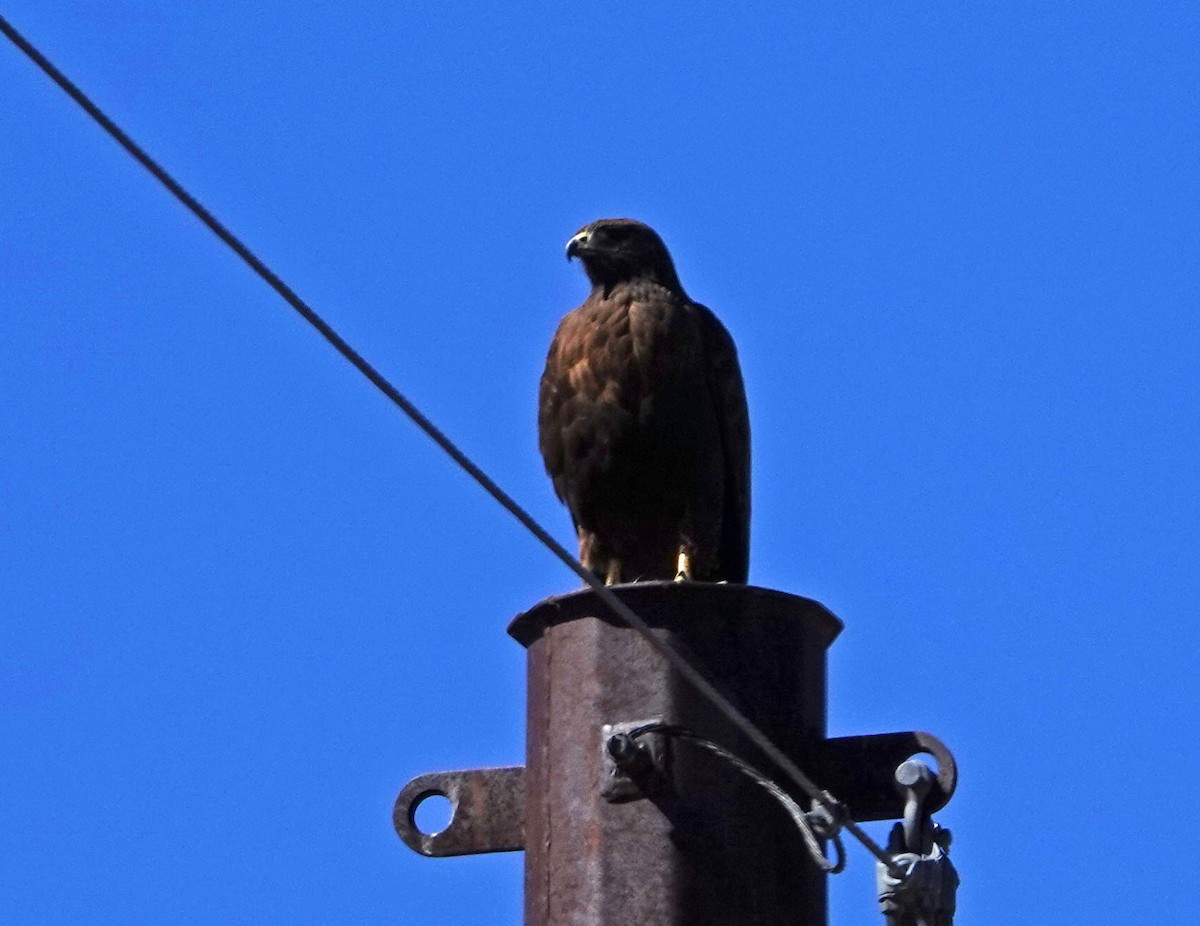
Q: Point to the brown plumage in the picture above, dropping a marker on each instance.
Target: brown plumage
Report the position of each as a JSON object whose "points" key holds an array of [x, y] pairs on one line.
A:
{"points": [[642, 419]]}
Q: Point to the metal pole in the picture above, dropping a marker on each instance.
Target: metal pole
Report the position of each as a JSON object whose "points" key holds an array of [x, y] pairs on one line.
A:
{"points": [[694, 843]]}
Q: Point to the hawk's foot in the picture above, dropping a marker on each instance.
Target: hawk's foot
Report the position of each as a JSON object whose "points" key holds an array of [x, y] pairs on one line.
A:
{"points": [[683, 572]]}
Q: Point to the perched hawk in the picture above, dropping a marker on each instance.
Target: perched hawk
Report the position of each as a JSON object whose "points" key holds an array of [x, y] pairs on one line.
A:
{"points": [[642, 419]]}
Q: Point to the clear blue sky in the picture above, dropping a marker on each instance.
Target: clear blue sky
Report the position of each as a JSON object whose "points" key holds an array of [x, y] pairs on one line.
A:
{"points": [[244, 601]]}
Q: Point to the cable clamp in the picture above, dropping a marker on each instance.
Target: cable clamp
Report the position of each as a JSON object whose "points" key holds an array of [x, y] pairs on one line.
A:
{"points": [[827, 817]]}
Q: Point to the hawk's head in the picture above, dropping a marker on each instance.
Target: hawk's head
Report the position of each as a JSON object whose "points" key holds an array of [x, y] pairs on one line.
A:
{"points": [[618, 250]]}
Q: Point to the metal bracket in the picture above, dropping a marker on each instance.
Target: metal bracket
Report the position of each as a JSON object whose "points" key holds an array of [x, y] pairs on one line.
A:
{"points": [[629, 767], [489, 803], [487, 815], [860, 770]]}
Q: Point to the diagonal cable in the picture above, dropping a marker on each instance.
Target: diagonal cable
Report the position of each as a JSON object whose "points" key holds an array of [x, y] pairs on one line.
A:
{"points": [[622, 610]]}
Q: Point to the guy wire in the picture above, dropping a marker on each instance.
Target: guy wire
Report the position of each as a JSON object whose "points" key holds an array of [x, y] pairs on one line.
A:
{"points": [[677, 661]]}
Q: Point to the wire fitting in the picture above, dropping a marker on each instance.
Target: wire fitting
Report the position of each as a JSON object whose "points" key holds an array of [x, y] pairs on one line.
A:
{"points": [[824, 823], [634, 760], [919, 888]]}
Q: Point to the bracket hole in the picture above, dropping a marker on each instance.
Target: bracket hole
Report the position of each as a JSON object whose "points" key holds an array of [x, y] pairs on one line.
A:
{"points": [[431, 812], [928, 758]]}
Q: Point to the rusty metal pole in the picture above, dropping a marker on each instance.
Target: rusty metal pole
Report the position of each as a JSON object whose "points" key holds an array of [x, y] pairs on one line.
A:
{"points": [[679, 837], [706, 846]]}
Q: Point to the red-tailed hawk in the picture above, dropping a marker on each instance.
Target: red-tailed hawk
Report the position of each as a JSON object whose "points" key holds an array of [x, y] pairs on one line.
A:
{"points": [[642, 419]]}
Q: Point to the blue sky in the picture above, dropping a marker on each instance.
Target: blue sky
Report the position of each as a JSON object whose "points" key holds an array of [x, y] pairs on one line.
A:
{"points": [[244, 601]]}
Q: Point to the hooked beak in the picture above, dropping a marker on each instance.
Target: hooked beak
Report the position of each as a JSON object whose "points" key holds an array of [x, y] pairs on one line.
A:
{"points": [[576, 245]]}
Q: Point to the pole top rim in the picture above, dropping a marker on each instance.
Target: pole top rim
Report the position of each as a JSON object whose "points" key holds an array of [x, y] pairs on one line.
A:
{"points": [[668, 605]]}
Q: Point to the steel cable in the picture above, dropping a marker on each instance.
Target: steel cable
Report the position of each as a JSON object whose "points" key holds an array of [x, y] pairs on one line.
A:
{"points": [[677, 661], [806, 828]]}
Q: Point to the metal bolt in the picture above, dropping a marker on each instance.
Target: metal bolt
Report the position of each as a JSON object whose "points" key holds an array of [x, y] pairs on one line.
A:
{"points": [[915, 778], [627, 754], [913, 774]]}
